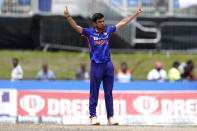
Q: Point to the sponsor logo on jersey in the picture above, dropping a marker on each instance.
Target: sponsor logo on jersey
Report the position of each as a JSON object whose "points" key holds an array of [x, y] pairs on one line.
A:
{"points": [[101, 42], [95, 38]]}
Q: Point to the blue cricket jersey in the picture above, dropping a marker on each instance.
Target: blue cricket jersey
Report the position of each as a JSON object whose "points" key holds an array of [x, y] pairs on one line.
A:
{"points": [[98, 43]]}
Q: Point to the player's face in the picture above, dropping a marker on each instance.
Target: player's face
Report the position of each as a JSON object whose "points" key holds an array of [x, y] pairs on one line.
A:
{"points": [[45, 67], [192, 66], [15, 63], [124, 67], [158, 68], [100, 24]]}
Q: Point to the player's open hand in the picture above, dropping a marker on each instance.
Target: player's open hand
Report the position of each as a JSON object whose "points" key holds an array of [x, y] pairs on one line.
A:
{"points": [[139, 11], [66, 12]]}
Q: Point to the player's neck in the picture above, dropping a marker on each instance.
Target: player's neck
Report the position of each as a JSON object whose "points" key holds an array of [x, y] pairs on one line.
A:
{"points": [[99, 30]]}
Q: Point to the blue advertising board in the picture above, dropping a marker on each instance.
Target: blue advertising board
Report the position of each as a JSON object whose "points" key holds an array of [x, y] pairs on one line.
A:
{"points": [[84, 85]]}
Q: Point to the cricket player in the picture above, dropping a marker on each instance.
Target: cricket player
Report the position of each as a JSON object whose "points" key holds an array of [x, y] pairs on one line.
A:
{"points": [[102, 69]]}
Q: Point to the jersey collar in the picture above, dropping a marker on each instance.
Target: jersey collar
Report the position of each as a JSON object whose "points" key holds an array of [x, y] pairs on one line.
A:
{"points": [[97, 31]]}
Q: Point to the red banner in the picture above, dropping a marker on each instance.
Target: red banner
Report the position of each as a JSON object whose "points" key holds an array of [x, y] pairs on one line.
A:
{"points": [[60, 103]]}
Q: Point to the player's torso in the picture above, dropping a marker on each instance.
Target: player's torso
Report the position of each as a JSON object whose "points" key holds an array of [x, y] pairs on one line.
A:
{"points": [[99, 42]]}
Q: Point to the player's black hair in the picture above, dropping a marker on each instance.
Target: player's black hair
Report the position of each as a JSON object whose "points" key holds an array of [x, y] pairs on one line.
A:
{"points": [[176, 64], [15, 59], [97, 16], [189, 62], [123, 63], [190, 65]]}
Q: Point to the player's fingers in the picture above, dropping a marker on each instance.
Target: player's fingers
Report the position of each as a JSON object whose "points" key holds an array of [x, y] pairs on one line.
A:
{"points": [[66, 8], [140, 9]]}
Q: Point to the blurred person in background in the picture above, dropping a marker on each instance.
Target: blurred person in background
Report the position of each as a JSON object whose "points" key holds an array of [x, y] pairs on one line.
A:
{"points": [[157, 74], [124, 74], [188, 73], [17, 71], [83, 74], [174, 74], [45, 73], [159, 4], [182, 67]]}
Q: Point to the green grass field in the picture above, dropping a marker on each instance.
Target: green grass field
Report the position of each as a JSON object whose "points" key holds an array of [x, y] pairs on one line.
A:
{"points": [[65, 64]]}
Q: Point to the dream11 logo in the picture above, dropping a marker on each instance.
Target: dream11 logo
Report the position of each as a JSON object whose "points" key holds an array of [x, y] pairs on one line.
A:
{"points": [[32, 104], [4, 97], [146, 104]]}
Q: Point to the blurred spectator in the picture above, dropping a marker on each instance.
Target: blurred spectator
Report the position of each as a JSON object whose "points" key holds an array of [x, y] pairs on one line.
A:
{"points": [[157, 74], [45, 73], [161, 4], [124, 74], [182, 67], [174, 74], [17, 71], [188, 71], [83, 74]]}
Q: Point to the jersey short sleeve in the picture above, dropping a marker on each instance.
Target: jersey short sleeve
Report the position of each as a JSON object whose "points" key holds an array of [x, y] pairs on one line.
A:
{"points": [[112, 29], [86, 31]]}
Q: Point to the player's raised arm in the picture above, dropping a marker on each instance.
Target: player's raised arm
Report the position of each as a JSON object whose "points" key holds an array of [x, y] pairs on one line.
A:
{"points": [[71, 21], [125, 21]]}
